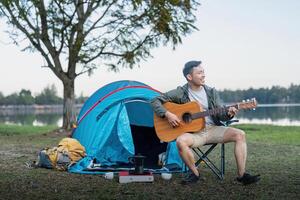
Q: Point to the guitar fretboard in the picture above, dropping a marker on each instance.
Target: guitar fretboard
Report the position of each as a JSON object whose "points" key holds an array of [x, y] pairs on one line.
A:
{"points": [[210, 112]]}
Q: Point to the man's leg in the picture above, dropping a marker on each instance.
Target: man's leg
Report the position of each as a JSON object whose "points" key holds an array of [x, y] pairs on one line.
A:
{"points": [[184, 142], [240, 148], [240, 152]]}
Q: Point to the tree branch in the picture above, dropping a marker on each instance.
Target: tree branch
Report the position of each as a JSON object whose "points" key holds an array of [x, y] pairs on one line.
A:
{"points": [[100, 18], [66, 23], [85, 71], [29, 36], [45, 37]]}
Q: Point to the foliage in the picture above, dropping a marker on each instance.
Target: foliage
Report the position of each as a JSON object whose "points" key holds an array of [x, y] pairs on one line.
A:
{"points": [[24, 97], [11, 99], [1, 96], [275, 94], [120, 32], [48, 96]]}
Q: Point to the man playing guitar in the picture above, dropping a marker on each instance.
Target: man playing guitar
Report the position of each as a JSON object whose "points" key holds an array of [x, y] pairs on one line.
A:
{"points": [[214, 132]]}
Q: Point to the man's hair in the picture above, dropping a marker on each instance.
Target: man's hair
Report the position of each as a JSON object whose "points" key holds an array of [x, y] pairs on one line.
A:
{"points": [[188, 67]]}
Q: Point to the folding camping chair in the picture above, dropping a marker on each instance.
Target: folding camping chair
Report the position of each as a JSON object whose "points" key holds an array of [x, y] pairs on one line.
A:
{"points": [[203, 156]]}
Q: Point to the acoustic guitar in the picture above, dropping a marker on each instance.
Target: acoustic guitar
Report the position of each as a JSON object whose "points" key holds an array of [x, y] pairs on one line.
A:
{"points": [[192, 117]]}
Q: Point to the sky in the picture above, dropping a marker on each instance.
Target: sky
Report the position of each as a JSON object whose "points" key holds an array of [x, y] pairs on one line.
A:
{"points": [[241, 44]]}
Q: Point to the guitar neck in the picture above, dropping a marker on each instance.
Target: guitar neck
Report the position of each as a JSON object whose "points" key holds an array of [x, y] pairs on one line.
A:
{"points": [[214, 111]]}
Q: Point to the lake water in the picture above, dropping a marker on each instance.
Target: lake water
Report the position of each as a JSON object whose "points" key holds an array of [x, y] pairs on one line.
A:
{"points": [[286, 115], [264, 114]]}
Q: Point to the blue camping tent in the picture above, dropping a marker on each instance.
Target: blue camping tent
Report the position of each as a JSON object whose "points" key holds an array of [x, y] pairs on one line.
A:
{"points": [[116, 122]]}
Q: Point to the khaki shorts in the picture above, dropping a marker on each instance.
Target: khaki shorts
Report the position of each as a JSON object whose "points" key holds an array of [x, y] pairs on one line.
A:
{"points": [[210, 134]]}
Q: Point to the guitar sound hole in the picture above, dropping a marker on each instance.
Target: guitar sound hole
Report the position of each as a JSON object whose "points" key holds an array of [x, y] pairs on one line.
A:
{"points": [[187, 118]]}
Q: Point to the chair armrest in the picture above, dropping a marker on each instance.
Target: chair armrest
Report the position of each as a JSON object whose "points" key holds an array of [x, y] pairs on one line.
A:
{"points": [[227, 123]]}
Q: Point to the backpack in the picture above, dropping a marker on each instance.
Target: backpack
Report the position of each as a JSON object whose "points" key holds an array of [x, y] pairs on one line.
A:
{"points": [[68, 152]]}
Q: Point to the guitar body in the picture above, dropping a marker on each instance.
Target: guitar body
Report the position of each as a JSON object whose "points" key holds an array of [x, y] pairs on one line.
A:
{"points": [[166, 132], [192, 118]]}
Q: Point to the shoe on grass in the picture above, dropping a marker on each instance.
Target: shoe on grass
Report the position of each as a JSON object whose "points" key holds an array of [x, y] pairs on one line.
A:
{"points": [[191, 178], [247, 179]]}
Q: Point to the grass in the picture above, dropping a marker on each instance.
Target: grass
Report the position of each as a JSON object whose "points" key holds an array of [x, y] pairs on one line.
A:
{"points": [[273, 152], [24, 130], [289, 135]]}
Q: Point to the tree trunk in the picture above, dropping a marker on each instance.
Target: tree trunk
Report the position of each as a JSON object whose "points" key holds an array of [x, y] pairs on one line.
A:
{"points": [[69, 111]]}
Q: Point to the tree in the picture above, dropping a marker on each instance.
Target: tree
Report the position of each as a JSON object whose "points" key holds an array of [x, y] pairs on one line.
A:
{"points": [[294, 93], [48, 96], [117, 32], [12, 99], [25, 97], [1, 98]]}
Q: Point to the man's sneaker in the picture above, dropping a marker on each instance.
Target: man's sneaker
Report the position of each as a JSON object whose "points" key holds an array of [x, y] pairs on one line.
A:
{"points": [[247, 179], [191, 178]]}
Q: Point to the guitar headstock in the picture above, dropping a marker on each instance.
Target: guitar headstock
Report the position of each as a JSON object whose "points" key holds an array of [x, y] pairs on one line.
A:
{"points": [[248, 104]]}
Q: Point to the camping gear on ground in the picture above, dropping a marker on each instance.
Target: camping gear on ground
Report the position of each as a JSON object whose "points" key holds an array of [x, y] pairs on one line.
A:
{"points": [[166, 176], [68, 152], [74, 149], [126, 177], [109, 175], [43, 159], [116, 123], [138, 161]]}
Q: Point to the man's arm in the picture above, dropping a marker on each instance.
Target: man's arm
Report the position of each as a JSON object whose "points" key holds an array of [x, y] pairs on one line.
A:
{"points": [[224, 116], [172, 96], [161, 111], [157, 105]]}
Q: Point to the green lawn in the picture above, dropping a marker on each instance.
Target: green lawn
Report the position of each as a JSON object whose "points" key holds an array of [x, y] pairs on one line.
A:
{"points": [[289, 135], [273, 152], [10, 130]]}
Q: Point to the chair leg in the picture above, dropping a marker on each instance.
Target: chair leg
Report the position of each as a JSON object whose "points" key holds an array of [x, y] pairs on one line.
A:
{"points": [[223, 160], [203, 157]]}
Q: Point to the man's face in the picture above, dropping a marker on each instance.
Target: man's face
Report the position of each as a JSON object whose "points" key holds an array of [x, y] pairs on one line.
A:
{"points": [[197, 77]]}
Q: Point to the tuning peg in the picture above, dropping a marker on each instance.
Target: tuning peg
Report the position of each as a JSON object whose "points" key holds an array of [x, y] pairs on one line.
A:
{"points": [[243, 101], [254, 109], [248, 100]]}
